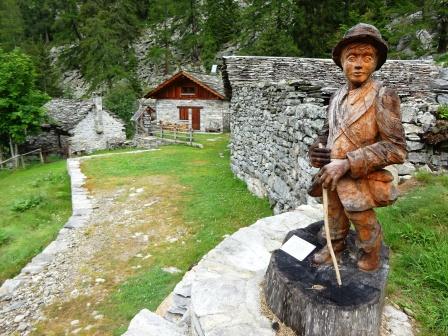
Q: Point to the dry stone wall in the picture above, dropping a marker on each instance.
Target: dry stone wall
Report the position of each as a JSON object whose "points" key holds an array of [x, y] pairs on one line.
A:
{"points": [[278, 105]]}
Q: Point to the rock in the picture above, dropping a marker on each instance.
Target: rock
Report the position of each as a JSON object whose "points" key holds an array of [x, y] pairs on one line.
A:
{"points": [[440, 84], [425, 168], [397, 322], [411, 128], [280, 187], [408, 113], [98, 317], [146, 323], [417, 157], [414, 145], [19, 318], [427, 120], [8, 287], [74, 323], [425, 38], [405, 178], [256, 187], [100, 280], [22, 326], [406, 168], [171, 269], [76, 331], [442, 99]]}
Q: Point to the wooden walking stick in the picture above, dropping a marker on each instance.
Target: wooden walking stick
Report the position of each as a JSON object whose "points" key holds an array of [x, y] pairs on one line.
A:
{"points": [[327, 233]]}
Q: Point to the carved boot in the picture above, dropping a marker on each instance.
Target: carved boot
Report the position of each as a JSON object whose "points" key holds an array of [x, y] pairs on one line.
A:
{"points": [[324, 256], [370, 259]]}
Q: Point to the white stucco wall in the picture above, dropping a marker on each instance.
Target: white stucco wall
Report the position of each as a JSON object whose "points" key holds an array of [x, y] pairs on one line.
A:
{"points": [[212, 111], [85, 138]]}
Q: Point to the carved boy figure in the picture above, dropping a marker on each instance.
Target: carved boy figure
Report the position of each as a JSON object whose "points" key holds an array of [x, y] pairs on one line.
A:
{"points": [[362, 135]]}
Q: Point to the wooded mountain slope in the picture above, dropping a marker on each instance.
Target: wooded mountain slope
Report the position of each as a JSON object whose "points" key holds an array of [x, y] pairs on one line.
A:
{"points": [[98, 37]]}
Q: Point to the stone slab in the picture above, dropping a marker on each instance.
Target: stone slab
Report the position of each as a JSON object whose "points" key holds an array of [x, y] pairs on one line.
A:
{"points": [[146, 323]]}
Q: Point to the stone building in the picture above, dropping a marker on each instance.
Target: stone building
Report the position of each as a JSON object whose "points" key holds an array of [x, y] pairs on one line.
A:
{"points": [[193, 98], [78, 127], [278, 105]]}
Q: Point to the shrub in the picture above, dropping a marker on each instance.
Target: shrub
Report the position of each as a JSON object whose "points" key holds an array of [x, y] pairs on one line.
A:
{"points": [[442, 111], [25, 204]]}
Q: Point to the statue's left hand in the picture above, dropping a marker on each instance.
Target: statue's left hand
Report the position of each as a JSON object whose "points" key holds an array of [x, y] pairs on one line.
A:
{"points": [[332, 172]]}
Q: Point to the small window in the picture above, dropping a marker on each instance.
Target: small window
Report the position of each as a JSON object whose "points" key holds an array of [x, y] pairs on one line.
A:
{"points": [[183, 113], [188, 90]]}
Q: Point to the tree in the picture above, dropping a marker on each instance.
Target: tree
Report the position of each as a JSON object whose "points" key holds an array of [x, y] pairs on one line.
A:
{"points": [[11, 25], [270, 28], [122, 100], [21, 111]]}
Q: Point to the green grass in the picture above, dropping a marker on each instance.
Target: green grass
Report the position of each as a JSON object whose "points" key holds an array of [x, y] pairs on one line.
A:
{"points": [[35, 203], [213, 203], [416, 229]]}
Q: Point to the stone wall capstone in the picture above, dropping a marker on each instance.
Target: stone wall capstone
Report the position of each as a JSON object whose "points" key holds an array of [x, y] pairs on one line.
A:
{"points": [[278, 105]]}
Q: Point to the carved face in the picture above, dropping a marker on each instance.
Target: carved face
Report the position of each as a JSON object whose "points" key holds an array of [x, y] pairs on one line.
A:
{"points": [[359, 62]]}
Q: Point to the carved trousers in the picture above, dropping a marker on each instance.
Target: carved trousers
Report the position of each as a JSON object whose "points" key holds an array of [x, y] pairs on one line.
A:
{"points": [[365, 222]]}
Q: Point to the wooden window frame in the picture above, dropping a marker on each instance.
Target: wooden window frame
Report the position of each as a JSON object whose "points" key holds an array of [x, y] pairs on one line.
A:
{"points": [[182, 93]]}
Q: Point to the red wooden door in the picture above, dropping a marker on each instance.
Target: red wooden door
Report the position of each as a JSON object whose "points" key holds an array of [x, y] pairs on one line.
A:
{"points": [[196, 118]]}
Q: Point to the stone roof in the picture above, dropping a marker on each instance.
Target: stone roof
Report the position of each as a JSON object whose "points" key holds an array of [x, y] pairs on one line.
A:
{"points": [[212, 81], [67, 113]]}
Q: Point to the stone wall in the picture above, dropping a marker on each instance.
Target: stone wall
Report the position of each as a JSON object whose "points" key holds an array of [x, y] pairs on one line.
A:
{"points": [[279, 104], [214, 113], [86, 137]]}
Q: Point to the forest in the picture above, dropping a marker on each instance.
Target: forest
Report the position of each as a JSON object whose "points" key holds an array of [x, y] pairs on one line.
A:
{"points": [[97, 38]]}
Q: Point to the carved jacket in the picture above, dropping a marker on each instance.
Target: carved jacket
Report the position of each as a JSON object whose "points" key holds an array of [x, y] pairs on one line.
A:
{"points": [[366, 129]]}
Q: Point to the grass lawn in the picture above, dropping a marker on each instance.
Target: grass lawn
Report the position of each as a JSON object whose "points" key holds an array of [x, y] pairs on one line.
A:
{"points": [[416, 229], [207, 201], [35, 204]]}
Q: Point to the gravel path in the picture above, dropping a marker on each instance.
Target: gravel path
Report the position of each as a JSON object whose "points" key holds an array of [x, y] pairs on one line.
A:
{"points": [[77, 264]]}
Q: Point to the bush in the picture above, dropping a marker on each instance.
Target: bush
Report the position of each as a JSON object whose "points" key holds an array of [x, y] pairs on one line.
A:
{"points": [[442, 111], [25, 204]]}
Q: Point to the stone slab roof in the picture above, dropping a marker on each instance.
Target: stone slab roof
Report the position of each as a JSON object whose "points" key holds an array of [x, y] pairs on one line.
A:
{"points": [[67, 113]]}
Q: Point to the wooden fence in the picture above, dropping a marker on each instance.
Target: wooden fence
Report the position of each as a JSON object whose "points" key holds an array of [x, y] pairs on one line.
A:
{"points": [[20, 158], [176, 133]]}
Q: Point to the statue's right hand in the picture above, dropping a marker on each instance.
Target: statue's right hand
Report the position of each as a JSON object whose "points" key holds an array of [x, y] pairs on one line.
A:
{"points": [[319, 157]]}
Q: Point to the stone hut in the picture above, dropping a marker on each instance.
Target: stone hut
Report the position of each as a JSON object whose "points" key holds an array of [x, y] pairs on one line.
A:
{"points": [[193, 98], [78, 127], [278, 104]]}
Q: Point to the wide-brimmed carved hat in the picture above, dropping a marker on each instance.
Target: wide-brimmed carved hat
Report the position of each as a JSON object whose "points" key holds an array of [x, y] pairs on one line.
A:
{"points": [[365, 33]]}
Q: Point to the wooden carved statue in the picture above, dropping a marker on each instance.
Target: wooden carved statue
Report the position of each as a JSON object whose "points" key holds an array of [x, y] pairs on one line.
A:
{"points": [[362, 135]]}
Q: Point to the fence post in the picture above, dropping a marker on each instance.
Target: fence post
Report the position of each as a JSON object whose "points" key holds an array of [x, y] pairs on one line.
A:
{"points": [[175, 134], [22, 161], [1, 157], [191, 137], [16, 150], [41, 156]]}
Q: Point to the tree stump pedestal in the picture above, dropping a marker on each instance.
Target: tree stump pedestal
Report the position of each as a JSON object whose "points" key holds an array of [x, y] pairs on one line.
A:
{"points": [[308, 299]]}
